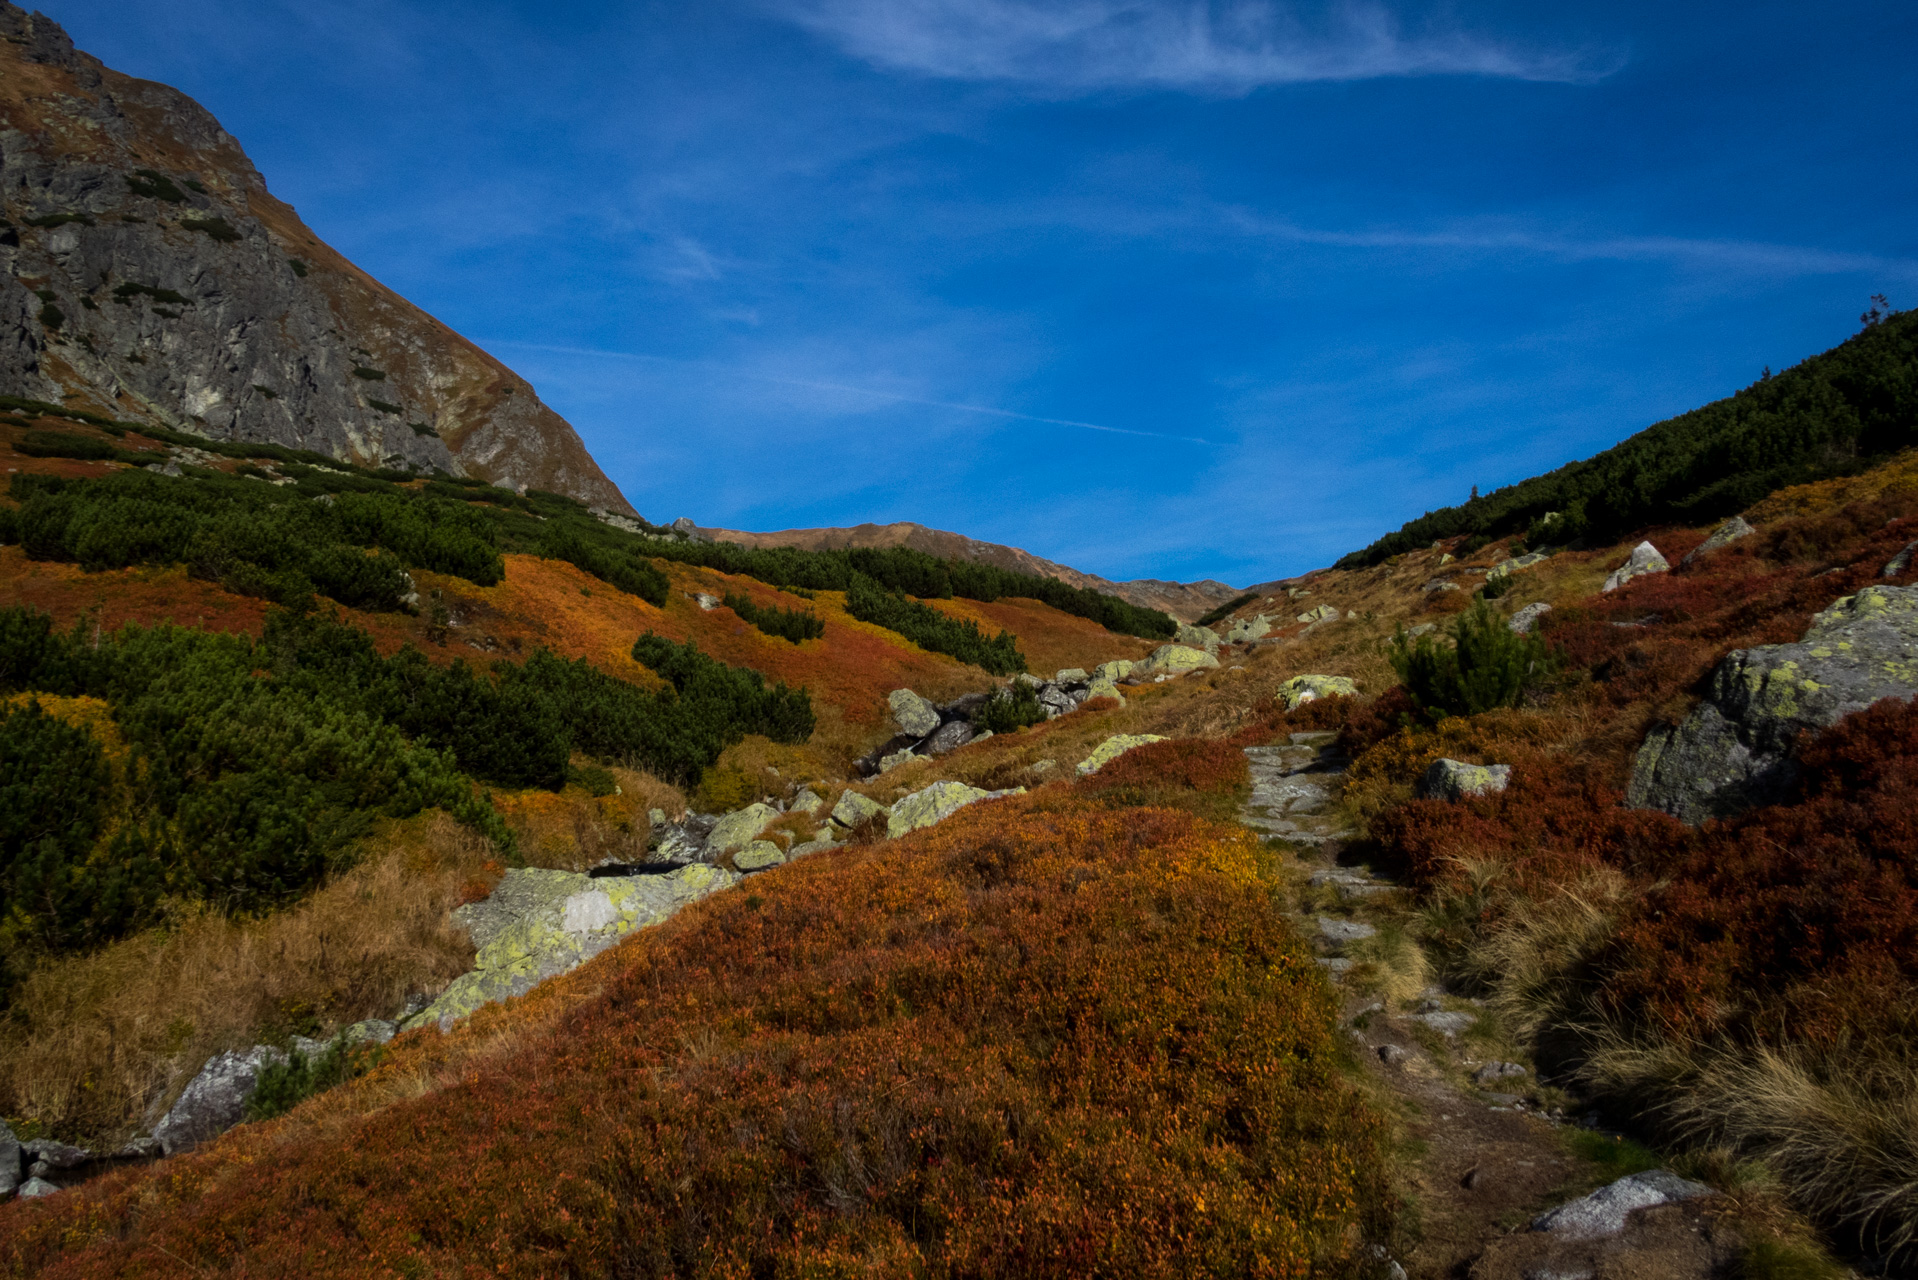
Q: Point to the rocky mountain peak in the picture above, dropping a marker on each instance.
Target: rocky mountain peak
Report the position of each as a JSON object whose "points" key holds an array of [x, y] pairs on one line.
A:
{"points": [[150, 275]]}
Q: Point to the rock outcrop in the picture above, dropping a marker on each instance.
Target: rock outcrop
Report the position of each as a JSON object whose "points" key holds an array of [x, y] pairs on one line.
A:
{"points": [[1114, 747], [1522, 622], [150, 276], [1735, 749], [1604, 1211], [215, 1099], [540, 923], [1299, 690]]}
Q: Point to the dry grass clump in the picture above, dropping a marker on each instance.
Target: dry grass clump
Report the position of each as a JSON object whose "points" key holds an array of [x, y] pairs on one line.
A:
{"points": [[1039, 1039], [93, 1047]]}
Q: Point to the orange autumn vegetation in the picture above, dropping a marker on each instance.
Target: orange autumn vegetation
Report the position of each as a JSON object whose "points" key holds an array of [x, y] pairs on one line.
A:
{"points": [[1041, 1039]]}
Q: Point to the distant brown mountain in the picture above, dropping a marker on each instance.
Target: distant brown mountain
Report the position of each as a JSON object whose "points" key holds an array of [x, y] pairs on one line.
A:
{"points": [[1183, 600]]}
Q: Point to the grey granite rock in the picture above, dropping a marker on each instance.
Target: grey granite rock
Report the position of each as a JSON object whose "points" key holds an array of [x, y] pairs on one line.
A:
{"points": [[912, 713], [1735, 749], [10, 1160], [1898, 564], [949, 737], [1645, 560], [1455, 779], [215, 1099], [34, 1188], [1522, 622], [1603, 1212]]}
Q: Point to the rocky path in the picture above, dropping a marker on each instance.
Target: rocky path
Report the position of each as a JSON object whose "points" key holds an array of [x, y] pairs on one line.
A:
{"points": [[1483, 1160]]}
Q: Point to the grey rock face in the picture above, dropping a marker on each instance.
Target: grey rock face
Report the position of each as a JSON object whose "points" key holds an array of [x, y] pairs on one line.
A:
{"points": [[10, 1163], [912, 713], [1338, 931], [215, 1100], [1731, 531], [1603, 1212], [1735, 749], [1197, 637], [34, 1188], [196, 301], [1455, 779], [54, 1155], [1645, 560]]}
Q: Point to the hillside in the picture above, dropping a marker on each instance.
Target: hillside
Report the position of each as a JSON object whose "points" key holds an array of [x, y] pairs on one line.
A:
{"points": [[1185, 601], [151, 276], [1833, 414]]}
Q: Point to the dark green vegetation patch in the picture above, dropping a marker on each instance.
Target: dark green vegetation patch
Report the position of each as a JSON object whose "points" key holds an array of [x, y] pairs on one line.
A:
{"points": [[796, 625], [932, 630]]}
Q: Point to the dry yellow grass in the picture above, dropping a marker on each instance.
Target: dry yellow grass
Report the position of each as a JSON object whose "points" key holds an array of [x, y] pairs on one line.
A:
{"points": [[94, 1046]]}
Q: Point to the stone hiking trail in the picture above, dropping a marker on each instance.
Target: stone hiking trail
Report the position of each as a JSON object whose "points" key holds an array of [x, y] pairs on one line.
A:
{"points": [[1484, 1166]]}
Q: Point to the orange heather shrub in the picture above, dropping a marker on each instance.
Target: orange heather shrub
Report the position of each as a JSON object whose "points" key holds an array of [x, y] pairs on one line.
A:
{"points": [[1040, 1039]]}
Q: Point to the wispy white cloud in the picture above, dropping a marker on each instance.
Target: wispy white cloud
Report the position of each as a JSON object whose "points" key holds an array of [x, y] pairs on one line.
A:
{"points": [[840, 388], [1742, 256], [1205, 46]]}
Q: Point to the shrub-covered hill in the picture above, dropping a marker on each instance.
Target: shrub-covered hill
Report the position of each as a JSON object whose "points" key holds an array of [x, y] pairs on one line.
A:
{"points": [[1833, 414]]}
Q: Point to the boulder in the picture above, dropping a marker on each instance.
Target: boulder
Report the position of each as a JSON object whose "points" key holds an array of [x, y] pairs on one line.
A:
{"points": [[33, 1188], [1494, 1072], [1440, 584], [1525, 619], [758, 856], [1898, 564], [54, 1155], [372, 1031], [1104, 689], [1338, 931], [1115, 671], [1028, 679], [964, 707], [538, 923], [1731, 531], [9, 1160], [818, 844], [934, 804], [950, 737], [912, 713], [1645, 561], [888, 763], [1300, 690], [1735, 748], [1323, 613], [1114, 747], [1196, 637], [1058, 700], [1455, 779], [1505, 568], [854, 809], [1446, 559], [1071, 675], [1174, 659], [706, 602], [1253, 628], [1603, 1212], [215, 1099], [734, 830], [807, 801]]}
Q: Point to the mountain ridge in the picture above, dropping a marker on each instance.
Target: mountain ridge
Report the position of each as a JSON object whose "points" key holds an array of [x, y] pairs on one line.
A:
{"points": [[152, 277], [1183, 600]]}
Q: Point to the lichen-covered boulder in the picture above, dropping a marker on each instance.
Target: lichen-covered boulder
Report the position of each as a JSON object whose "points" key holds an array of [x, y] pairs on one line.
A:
{"points": [[934, 804], [1604, 1211], [1731, 531], [1197, 637], [1104, 689], [854, 809], [215, 1099], [1505, 568], [807, 801], [1175, 659], [760, 855], [912, 713], [1071, 675], [1253, 628], [34, 1188], [1527, 618], [1898, 564], [1115, 671], [537, 924], [1735, 749], [1300, 690], [1455, 779], [1322, 613], [736, 829], [1645, 560], [1114, 747]]}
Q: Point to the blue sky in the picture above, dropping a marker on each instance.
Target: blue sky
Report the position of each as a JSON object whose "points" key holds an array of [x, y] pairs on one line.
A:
{"points": [[1150, 287]]}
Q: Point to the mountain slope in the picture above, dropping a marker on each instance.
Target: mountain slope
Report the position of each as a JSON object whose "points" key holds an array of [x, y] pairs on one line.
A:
{"points": [[150, 276], [1183, 600], [1829, 415]]}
